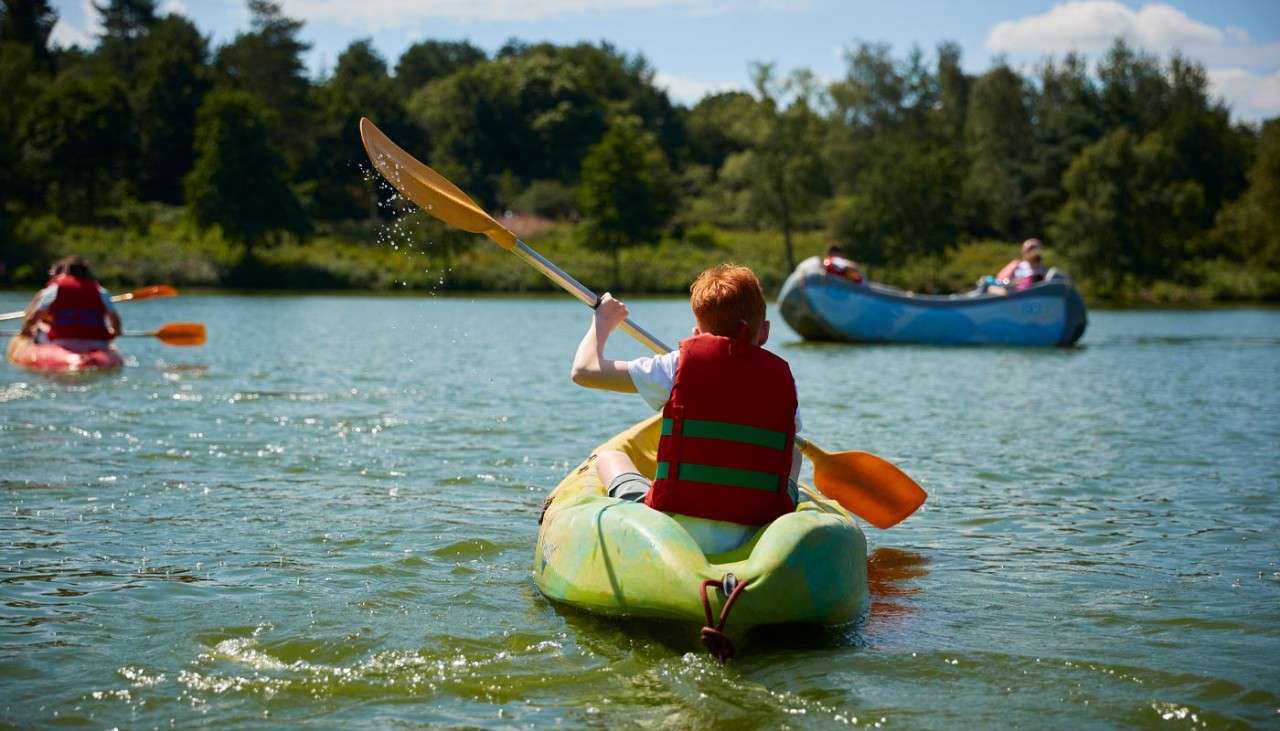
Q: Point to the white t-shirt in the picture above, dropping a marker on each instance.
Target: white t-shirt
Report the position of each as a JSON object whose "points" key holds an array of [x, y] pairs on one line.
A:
{"points": [[653, 376]]}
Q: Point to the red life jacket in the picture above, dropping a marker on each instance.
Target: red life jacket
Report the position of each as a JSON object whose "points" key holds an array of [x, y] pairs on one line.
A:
{"points": [[77, 311], [727, 434], [842, 268]]}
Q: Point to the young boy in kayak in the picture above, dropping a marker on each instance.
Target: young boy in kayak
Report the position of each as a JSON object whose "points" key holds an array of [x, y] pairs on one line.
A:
{"points": [[72, 310], [727, 450]]}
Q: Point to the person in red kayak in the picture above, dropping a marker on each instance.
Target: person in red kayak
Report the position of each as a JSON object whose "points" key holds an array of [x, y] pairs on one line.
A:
{"points": [[73, 310], [727, 450], [836, 263]]}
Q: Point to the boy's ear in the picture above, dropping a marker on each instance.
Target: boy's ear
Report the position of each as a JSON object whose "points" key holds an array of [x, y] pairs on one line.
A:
{"points": [[763, 337]]}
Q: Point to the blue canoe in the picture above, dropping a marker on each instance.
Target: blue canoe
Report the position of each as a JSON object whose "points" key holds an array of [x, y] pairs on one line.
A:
{"points": [[820, 306]]}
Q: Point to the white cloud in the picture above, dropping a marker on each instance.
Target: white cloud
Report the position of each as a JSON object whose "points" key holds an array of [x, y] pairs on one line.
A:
{"points": [[1245, 74], [383, 14], [689, 91], [83, 33], [1251, 95], [174, 6], [1092, 25]]}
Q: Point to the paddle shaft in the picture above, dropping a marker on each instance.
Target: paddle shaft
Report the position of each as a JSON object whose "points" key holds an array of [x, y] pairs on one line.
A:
{"points": [[117, 299], [591, 299], [585, 295], [152, 334]]}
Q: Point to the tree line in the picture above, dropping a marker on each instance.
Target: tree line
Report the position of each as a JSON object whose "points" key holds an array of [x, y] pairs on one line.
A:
{"points": [[1128, 167]]}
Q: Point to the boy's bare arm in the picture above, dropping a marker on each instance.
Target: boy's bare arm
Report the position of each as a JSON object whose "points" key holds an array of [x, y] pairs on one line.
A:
{"points": [[590, 367]]}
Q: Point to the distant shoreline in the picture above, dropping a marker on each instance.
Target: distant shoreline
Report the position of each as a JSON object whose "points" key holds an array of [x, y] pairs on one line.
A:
{"points": [[416, 256], [457, 294]]}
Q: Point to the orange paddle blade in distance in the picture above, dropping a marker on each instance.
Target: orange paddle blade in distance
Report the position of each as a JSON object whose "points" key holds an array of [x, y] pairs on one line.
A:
{"points": [[183, 334], [872, 488], [155, 290], [429, 189]]}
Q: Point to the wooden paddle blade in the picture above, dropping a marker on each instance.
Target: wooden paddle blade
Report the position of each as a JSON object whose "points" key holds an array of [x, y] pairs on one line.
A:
{"points": [[183, 334], [872, 488], [429, 189], [155, 290]]}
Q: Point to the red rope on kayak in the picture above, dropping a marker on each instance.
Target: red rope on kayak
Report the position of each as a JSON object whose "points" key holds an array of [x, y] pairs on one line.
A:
{"points": [[713, 636]]}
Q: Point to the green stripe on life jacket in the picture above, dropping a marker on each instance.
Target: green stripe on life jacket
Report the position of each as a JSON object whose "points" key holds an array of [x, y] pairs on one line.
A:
{"points": [[729, 476], [700, 429]]}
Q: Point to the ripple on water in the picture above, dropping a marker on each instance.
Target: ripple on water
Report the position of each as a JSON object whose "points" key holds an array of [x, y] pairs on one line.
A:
{"points": [[341, 536]]}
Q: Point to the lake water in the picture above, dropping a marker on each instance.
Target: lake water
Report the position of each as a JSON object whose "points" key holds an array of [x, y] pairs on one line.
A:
{"points": [[325, 517]]}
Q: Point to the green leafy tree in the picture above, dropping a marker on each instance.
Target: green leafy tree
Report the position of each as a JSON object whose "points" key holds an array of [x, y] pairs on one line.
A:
{"points": [[125, 24], [1248, 228], [267, 63], [1134, 91], [623, 195], [20, 78], [1127, 215], [1067, 111], [238, 182], [953, 94], [360, 86], [77, 140], [428, 60], [904, 206], [548, 199], [534, 111], [715, 127], [871, 97], [784, 169], [883, 98], [28, 23], [169, 85], [998, 144], [1206, 148]]}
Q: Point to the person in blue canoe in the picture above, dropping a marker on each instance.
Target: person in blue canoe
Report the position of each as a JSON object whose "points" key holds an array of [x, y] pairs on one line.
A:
{"points": [[836, 263], [1020, 273]]}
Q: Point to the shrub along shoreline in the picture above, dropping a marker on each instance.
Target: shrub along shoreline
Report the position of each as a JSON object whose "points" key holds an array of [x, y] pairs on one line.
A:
{"points": [[414, 254]]}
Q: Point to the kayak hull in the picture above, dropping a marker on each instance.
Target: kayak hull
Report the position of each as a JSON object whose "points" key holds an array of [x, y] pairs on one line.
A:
{"points": [[620, 558], [820, 306], [49, 358]]}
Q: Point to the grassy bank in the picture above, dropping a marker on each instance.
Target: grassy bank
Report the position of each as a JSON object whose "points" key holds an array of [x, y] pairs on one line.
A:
{"points": [[156, 244]]}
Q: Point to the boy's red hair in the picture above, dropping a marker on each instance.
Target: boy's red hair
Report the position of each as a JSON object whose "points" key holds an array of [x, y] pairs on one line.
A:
{"points": [[726, 297]]}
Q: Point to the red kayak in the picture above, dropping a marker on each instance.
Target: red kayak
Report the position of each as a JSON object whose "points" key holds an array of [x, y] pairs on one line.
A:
{"points": [[50, 358]]}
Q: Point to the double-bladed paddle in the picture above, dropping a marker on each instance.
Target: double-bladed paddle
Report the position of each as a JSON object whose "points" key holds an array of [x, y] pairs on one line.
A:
{"points": [[143, 293], [181, 334], [866, 485]]}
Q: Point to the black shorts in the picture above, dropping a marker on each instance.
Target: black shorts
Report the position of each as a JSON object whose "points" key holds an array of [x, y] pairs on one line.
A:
{"points": [[631, 486]]}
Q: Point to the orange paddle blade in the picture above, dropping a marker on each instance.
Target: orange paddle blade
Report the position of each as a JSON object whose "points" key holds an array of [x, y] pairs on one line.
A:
{"points": [[184, 334], [429, 189], [872, 488], [155, 290]]}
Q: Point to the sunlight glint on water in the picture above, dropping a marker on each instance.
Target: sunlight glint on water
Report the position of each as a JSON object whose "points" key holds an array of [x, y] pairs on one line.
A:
{"points": [[326, 515]]}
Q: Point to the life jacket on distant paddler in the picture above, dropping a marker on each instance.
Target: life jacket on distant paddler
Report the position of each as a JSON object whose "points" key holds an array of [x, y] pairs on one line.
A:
{"points": [[77, 311], [727, 434]]}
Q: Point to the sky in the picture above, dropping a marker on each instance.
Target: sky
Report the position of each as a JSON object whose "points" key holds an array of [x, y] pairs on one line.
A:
{"points": [[701, 46]]}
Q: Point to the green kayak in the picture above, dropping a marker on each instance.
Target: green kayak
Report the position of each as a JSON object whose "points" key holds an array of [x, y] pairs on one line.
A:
{"points": [[619, 558]]}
